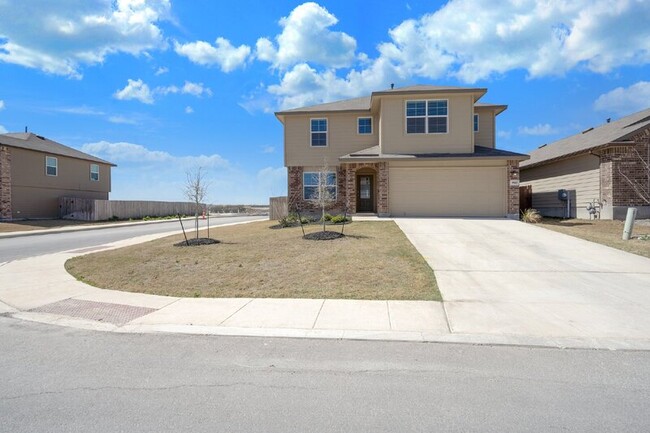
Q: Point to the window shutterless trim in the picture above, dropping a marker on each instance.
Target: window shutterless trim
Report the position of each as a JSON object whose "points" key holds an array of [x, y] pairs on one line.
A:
{"points": [[426, 116], [94, 172], [326, 132], [475, 123], [364, 133], [56, 165], [335, 186]]}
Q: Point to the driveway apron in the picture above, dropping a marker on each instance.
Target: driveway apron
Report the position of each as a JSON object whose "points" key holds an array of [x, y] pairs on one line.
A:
{"points": [[502, 276]]}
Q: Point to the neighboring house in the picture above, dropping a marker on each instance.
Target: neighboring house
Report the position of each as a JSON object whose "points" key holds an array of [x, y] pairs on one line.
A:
{"points": [[35, 172], [592, 166], [411, 151]]}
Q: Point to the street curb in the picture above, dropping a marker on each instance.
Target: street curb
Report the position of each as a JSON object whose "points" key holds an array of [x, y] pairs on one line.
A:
{"points": [[96, 227]]}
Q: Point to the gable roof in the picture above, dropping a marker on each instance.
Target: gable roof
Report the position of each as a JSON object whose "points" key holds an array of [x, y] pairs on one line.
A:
{"points": [[29, 141], [618, 131], [364, 103]]}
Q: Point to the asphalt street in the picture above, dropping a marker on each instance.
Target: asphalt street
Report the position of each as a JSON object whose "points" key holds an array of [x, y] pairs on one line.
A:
{"points": [[29, 246], [58, 379]]}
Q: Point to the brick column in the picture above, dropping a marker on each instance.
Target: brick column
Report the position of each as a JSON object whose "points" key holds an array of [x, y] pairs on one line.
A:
{"points": [[382, 189], [294, 188], [5, 183], [513, 191]]}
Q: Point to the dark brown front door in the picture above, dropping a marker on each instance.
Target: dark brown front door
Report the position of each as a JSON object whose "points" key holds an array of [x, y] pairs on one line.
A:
{"points": [[365, 193]]}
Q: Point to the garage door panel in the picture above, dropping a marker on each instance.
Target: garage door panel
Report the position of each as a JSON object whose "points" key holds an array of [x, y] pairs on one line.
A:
{"points": [[470, 191]]}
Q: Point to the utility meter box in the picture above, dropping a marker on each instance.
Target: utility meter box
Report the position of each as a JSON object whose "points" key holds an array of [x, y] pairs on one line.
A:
{"points": [[562, 194]]}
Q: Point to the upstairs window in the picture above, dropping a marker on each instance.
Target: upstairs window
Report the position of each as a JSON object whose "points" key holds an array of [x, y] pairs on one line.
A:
{"points": [[51, 166], [94, 172], [318, 132], [426, 117], [476, 123], [364, 125], [312, 182]]}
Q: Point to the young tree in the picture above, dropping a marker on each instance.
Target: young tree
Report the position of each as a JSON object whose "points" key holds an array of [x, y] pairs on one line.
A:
{"points": [[325, 194], [196, 189]]}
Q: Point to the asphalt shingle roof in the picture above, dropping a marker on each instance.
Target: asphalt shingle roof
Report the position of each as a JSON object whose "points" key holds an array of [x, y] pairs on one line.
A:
{"points": [[616, 131], [29, 141], [479, 152]]}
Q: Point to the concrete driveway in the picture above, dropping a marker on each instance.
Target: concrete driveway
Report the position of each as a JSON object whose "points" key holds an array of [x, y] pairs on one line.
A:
{"points": [[507, 277]]}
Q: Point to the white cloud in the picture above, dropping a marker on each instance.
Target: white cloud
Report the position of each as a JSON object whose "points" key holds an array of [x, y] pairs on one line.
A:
{"points": [[162, 70], [83, 110], [189, 88], [504, 134], [59, 37], [306, 37], [268, 149], [3, 130], [539, 129], [271, 182], [223, 53], [2, 104], [122, 120], [189, 110], [135, 89], [625, 100]]}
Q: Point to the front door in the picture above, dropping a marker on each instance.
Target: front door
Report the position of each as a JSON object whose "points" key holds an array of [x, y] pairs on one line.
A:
{"points": [[365, 193]]}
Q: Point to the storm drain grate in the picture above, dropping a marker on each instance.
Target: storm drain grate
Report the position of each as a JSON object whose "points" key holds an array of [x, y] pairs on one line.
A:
{"points": [[116, 314]]}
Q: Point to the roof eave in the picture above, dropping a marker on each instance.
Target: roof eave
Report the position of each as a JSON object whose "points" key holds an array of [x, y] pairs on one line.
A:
{"points": [[591, 151]]}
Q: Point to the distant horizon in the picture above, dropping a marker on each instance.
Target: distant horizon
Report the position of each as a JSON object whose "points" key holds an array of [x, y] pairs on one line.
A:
{"points": [[160, 87]]}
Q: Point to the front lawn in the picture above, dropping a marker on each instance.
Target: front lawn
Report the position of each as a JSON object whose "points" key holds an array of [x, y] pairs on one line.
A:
{"points": [[604, 232], [373, 261]]}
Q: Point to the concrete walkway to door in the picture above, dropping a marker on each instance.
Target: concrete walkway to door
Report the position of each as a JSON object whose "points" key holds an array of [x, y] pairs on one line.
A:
{"points": [[504, 277]]}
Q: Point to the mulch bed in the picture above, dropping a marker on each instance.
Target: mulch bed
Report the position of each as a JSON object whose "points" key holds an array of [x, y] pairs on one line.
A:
{"points": [[323, 236], [194, 242]]}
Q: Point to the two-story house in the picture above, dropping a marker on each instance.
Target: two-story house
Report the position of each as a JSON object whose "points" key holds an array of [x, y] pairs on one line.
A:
{"points": [[410, 151], [35, 172]]}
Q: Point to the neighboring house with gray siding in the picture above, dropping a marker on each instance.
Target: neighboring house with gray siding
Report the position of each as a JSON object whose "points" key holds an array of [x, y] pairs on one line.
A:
{"points": [[410, 151], [35, 172], [592, 166]]}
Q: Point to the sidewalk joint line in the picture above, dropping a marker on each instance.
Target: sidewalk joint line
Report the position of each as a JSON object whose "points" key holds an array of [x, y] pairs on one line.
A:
{"points": [[238, 310], [313, 326], [444, 310], [390, 323]]}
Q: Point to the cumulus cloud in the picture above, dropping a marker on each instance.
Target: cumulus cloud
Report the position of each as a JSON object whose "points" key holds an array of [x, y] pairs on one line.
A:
{"points": [[189, 110], [539, 129], [625, 100], [2, 104], [470, 40], [135, 89], [59, 37], [162, 70], [306, 37], [130, 152], [189, 88], [223, 53]]}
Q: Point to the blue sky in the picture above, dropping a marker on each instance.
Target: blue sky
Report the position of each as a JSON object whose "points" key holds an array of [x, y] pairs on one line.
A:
{"points": [[159, 87]]}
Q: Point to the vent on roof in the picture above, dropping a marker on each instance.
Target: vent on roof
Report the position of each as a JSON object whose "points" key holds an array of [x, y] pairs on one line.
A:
{"points": [[543, 145], [41, 137], [587, 130]]}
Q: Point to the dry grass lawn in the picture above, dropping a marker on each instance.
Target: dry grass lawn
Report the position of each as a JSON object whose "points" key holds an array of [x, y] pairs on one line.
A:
{"points": [[603, 232], [374, 261]]}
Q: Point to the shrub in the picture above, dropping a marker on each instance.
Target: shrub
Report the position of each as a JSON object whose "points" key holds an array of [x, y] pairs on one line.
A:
{"points": [[327, 217], [339, 219], [531, 216]]}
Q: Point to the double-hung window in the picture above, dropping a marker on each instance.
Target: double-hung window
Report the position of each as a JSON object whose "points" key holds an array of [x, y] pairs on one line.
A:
{"points": [[51, 166], [318, 132], [427, 117], [316, 185], [476, 123], [94, 172], [364, 125]]}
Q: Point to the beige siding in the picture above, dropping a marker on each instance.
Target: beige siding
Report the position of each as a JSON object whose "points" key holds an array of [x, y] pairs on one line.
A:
{"points": [[459, 138], [35, 195], [476, 191], [579, 175], [342, 138], [486, 124]]}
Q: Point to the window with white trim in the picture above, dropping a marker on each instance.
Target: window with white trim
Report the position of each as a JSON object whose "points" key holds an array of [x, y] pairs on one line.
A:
{"points": [[311, 181], [94, 172], [51, 166], [364, 125], [427, 117], [476, 123], [318, 132]]}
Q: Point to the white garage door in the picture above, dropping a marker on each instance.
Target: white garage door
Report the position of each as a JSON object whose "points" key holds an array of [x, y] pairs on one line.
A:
{"points": [[468, 191]]}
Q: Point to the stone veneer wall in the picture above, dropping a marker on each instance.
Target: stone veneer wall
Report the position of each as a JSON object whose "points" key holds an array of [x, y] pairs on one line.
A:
{"points": [[513, 191], [5, 183], [294, 192], [381, 168]]}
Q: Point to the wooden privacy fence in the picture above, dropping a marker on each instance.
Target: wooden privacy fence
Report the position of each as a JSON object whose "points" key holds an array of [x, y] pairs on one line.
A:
{"points": [[99, 210], [278, 208]]}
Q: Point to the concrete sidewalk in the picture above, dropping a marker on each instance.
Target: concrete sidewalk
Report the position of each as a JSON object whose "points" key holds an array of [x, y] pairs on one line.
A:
{"points": [[39, 289]]}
